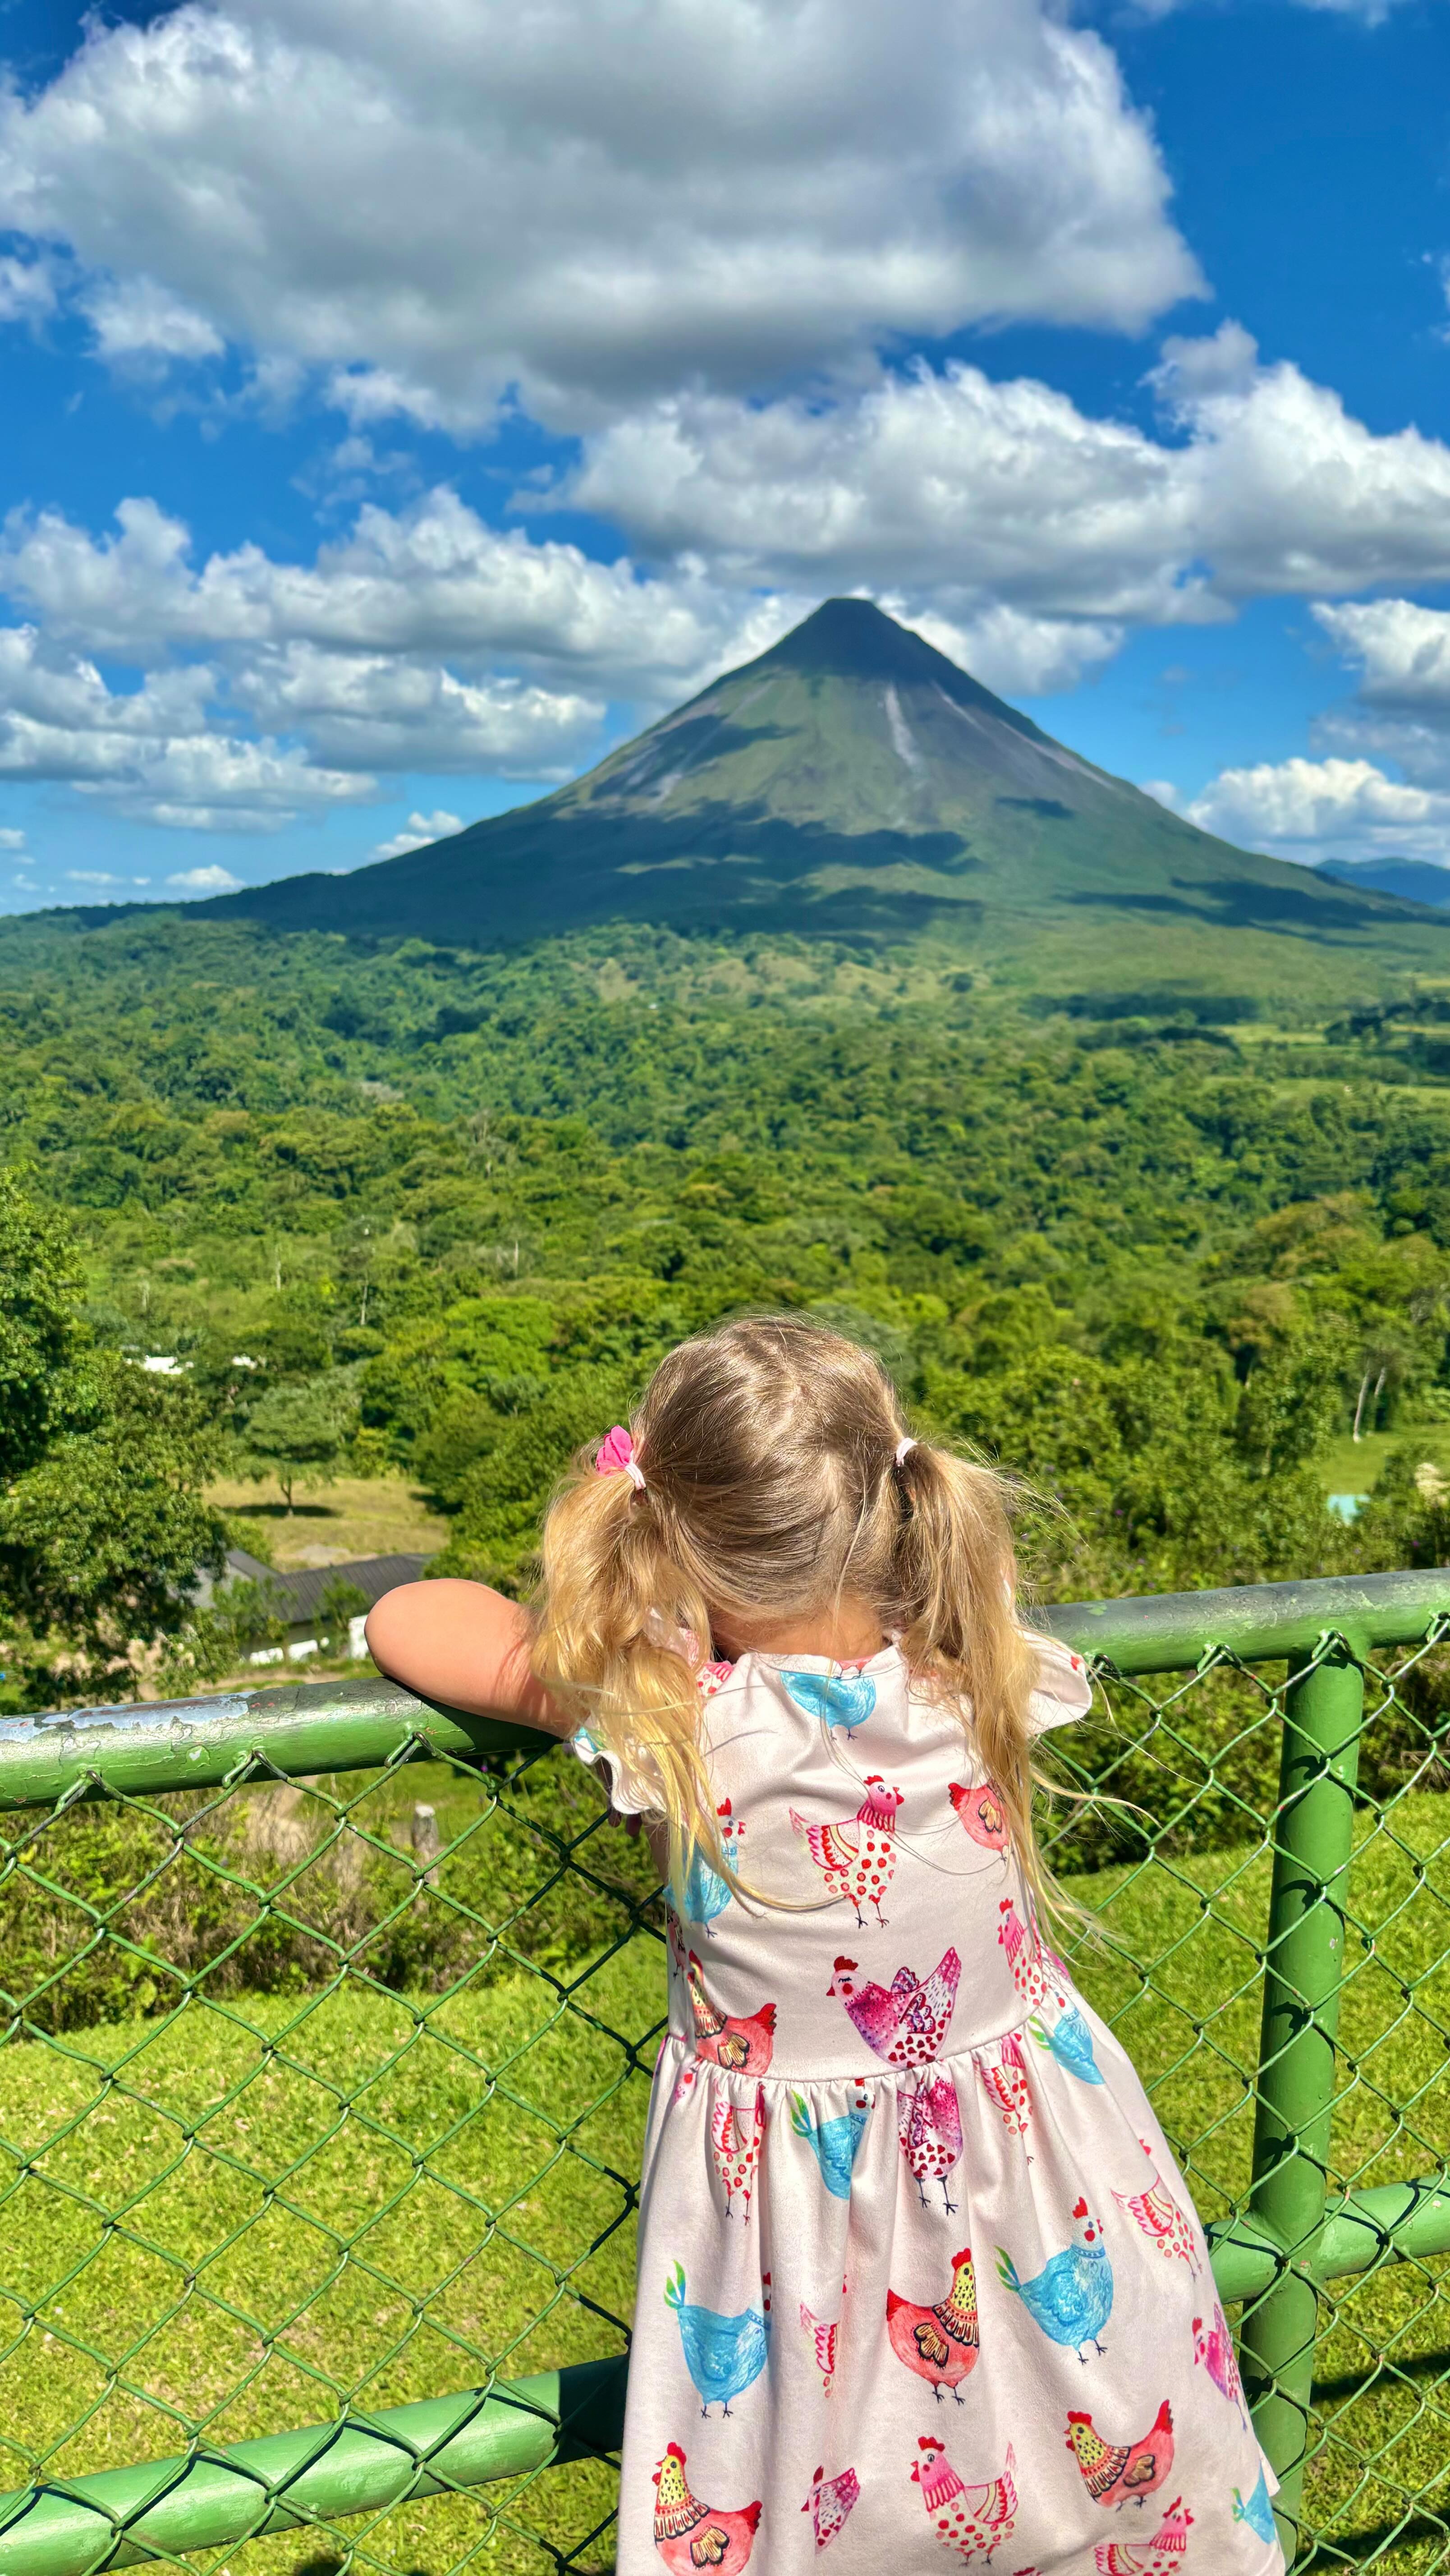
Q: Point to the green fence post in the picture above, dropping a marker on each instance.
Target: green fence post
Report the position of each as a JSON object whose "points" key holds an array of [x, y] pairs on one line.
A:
{"points": [[1304, 1973]]}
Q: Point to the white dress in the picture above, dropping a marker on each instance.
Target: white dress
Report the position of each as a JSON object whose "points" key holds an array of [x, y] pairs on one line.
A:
{"points": [[919, 2280]]}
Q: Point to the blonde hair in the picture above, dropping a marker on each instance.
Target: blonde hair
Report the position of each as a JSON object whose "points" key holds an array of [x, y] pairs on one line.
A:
{"points": [[771, 1487]]}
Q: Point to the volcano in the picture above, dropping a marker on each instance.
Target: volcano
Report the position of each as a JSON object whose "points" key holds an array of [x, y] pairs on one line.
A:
{"points": [[856, 783]]}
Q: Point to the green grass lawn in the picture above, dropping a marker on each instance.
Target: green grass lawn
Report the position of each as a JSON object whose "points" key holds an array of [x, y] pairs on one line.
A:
{"points": [[368, 2197], [1349, 1466]]}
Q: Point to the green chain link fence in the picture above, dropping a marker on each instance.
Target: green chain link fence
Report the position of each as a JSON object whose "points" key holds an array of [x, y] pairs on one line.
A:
{"points": [[332, 2017]]}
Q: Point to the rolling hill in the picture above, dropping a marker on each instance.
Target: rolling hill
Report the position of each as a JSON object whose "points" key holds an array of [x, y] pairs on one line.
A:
{"points": [[856, 783]]}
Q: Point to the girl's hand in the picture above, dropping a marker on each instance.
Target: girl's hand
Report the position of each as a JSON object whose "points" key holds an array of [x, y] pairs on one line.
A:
{"points": [[464, 1646]]}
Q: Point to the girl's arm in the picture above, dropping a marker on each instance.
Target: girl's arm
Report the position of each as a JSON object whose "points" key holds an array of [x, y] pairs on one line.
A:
{"points": [[465, 1646]]}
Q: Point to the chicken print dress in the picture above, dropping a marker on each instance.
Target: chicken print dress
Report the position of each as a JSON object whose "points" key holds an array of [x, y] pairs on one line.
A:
{"points": [[919, 2283]]}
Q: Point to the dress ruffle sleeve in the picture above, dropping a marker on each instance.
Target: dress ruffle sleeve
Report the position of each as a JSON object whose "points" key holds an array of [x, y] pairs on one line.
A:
{"points": [[633, 1788], [1064, 1685]]}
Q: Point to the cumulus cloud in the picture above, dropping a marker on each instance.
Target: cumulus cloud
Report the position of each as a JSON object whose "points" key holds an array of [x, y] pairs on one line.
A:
{"points": [[210, 880], [1334, 804], [941, 478], [27, 289], [417, 832], [1403, 651], [594, 199], [11, 841], [380, 711], [152, 752], [135, 319]]}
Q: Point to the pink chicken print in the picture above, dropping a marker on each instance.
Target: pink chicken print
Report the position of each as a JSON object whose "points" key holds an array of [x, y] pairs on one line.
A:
{"points": [[1215, 2349], [857, 1857], [1029, 1958], [736, 2137], [1163, 2220], [689, 2535], [742, 2044], [981, 1813], [972, 2520], [1163, 2555], [826, 2335], [906, 2022], [1005, 2083], [940, 2343], [829, 2504], [929, 2124]]}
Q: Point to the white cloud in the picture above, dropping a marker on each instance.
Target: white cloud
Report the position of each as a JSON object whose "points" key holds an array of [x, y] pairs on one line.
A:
{"points": [[1334, 804], [595, 199], [212, 880], [11, 840], [417, 832], [135, 319], [380, 711], [942, 480], [1403, 650], [90, 876], [1162, 790], [27, 289], [152, 752]]}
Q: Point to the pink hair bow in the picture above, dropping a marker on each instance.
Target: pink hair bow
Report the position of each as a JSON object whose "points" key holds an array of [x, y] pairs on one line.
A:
{"points": [[615, 1456]]}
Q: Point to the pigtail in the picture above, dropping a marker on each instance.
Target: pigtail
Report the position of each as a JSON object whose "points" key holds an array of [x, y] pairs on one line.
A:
{"points": [[618, 1642], [956, 1584]]}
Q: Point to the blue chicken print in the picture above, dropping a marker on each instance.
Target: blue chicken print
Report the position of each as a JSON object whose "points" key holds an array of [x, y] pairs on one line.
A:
{"points": [[723, 2355], [1072, 2296], [833, 2143], [1071, 2042], [706, 1892], [1258, 2513], [845, 1699]]}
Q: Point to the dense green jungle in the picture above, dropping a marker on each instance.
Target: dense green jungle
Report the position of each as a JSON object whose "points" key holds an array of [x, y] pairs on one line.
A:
{"points": [[431, 1214]]}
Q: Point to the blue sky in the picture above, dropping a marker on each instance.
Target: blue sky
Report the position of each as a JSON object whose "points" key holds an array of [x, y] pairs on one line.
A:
{"points": [[403, 406]]}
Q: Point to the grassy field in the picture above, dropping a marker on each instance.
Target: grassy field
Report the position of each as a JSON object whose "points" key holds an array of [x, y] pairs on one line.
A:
{"points": [[356, 1516], [376, 2197]]}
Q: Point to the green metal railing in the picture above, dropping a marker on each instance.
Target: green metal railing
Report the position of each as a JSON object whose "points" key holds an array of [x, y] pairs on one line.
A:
{"points": [[327, 2096]]}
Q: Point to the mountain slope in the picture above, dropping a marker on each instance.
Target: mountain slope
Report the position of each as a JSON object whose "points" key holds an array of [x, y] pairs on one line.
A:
{"points": [[853, 781], [1415, 880]]}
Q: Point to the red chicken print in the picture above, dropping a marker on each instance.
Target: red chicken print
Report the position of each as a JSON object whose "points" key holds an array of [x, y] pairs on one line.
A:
{"points": [[972, 2520], [1005, 2082], [906, 2022], [829, 2504], [736, 2137], [742, 2045], [826, 2335], [929, 2124], [1029, 1958], [1122, 2472], [1215, 2349], [689, 2535], [981, 1813], [1162, 2219], [1163, 2555], [857, 1857], [940, 2343]]}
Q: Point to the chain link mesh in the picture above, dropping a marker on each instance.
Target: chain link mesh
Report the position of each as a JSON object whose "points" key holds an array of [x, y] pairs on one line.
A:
{"points": [[326, 2095]]}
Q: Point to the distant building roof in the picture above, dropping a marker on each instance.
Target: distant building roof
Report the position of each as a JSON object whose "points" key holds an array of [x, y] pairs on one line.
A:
{"points": [[299, 1593]]}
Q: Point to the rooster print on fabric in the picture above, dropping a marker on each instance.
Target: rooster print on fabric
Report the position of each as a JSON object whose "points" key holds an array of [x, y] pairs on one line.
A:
{"points": [[941, 2342], [857, 1857], [1071, 2298], [1162, 2219], [1163, 2555], [736, 2138], [905, 2023], [933, 2115], [837, 1699], [973, 2520], [825, 2334], [723, 2355], [1116, 2473], [829, 2504], [833, 2142], [1003, 2076], [706, 1892], [690, 2536]]}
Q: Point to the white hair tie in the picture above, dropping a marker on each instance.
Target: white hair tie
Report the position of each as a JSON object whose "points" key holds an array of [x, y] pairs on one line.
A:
{"points": [[904, 1449]]}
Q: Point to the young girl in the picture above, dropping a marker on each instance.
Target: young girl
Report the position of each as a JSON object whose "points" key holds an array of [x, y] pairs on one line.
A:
{"points": [[918, 2276]]}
